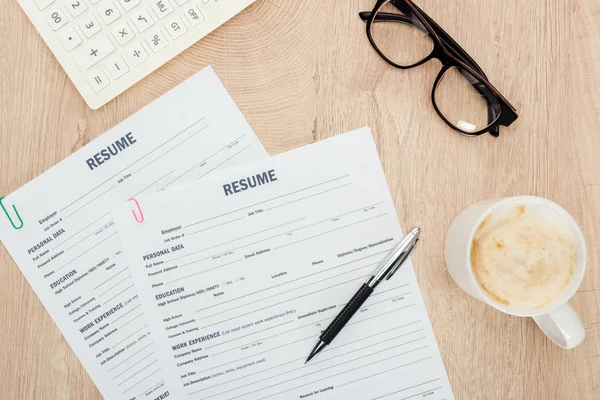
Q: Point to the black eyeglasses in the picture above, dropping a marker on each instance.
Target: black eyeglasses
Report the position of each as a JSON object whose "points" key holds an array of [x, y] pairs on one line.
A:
{"points": [[406, 37]]}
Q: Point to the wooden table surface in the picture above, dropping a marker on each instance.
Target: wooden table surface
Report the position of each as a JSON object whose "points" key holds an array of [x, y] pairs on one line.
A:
{"points": [[302, 71]]}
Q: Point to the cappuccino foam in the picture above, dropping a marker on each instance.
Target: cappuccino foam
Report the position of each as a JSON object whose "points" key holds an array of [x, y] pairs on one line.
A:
{"points": [[523, 259]]}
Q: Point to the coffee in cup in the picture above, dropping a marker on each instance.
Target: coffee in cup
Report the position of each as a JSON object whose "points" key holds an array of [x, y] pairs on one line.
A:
{"points": [[523, 258]]}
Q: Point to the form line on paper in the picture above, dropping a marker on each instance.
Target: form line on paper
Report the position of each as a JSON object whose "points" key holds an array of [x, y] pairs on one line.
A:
{"points": [[382, 301], [291, 281], [389, 290], [88, 250], [332, 376], [419, 394], [123, 291], [265, 239], [130, 165], [152, 363], [308, 197], [280, 302], [270, 337], [90, 202], [242, 237], [78, 232], [216, 226], [133, 309], [317, 371], [131, 387], [150, 388], [305, 366], [391, 298], [206, 159], [85, 237], [279, 294], [133, 365], [301, 327], [255, 355], [115, 275], [306, 338], [325, 233], [114, 286], [131, 356], [204, 271], [266, 201], [249, 334], [173, 148], [397, 391], [154, 183], [379, 315], [329, 348], [226, 160], [131, 320], [145, 326]]}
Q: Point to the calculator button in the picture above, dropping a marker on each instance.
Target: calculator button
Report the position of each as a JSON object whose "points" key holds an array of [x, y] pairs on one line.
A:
{"points": [[142, 20], [94, 1], [90, 26], [43, 3], [162, 8], [108, 12], [205, 1], [75, 7], [123, 33], [180, 2], [93, 52], [193, 14], [157, 41], [176, 28], [129, 4], [137, 54], [117, 67], [70, 38], [98, 80], [56, 17]]}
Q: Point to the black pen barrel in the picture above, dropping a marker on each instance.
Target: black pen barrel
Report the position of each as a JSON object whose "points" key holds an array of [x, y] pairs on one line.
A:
{"points": [[346, 314]]}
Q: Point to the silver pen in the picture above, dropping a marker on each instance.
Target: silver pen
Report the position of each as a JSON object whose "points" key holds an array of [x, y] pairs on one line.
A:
{"points": [[385, 270]]}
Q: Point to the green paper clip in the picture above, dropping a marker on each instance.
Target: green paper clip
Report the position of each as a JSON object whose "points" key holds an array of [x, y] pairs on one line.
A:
{"points": [[8, 216]]}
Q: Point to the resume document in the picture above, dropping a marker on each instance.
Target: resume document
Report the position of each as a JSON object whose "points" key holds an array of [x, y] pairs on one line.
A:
{"points": [[59, 230], [239, 274]]}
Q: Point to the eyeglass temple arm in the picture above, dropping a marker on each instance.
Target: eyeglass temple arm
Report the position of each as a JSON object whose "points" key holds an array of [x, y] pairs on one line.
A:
{"points": [[459, 52], [447, 39], [482, 89]]}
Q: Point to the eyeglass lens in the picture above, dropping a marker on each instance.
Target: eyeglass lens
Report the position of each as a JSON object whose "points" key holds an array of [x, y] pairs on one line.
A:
{"points": [[403, 43], [464, 101]]}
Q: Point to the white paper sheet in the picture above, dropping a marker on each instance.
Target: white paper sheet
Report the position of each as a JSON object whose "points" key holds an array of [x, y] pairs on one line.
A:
{"points": [[240, 277], [66, 244]]}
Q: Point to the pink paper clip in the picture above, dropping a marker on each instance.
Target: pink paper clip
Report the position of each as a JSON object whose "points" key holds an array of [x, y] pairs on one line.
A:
{"points": [[139, 219]]}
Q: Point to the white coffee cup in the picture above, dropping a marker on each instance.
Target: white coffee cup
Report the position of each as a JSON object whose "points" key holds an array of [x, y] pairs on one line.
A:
{"points": [[558, 320]]}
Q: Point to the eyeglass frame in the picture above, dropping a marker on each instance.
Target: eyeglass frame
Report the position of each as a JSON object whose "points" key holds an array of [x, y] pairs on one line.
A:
{"points": [[450, 54]]}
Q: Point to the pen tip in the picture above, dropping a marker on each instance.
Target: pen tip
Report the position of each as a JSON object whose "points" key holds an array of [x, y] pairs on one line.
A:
{"points": [[416, 231]]}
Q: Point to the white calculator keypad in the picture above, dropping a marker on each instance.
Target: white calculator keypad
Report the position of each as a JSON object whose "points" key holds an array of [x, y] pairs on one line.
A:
{"points": [[106, 46]]}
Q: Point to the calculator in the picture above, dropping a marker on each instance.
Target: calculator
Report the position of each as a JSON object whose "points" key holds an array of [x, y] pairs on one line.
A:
{"points": [[106, 46]]}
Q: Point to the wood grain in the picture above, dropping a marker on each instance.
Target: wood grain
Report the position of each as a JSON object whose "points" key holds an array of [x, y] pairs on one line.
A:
{"points": [[302, 71]]}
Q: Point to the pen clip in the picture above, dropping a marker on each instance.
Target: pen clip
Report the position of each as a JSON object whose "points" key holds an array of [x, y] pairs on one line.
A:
{"points": [[139, 219], [8, 216], [400, 260]]}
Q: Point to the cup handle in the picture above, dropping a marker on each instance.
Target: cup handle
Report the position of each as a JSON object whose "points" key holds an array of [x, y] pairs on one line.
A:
{"points": [[562, 326]]}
